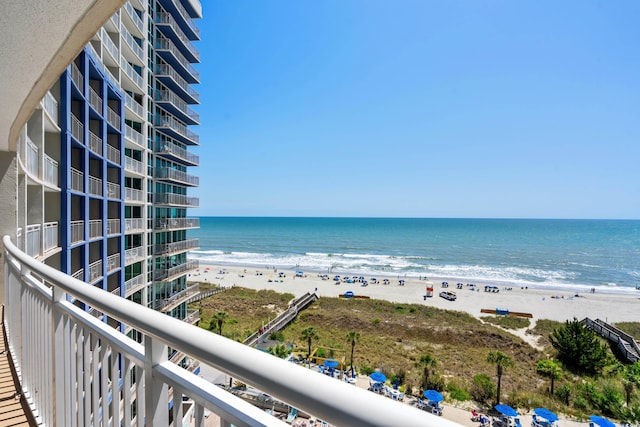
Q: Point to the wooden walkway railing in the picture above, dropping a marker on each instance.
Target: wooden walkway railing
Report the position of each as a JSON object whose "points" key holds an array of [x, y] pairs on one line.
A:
{"points": [[625, 342]]}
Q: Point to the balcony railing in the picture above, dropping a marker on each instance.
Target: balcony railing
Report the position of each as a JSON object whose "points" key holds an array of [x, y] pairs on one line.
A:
{"points": [[176, 299], [165, 44], [77, 128], [95, 100], [113, 154], [134, 224], [113, 226], [134, 255], [50, 171], [168, 71], [102, 387], [134, 136], [133, 195], [175, 150], [95, 186], [134, 17], [173, 124], [110, 45], [183, 246], [133, 105], [176, 175], [76, 76], [130, 41], [132, 74], [113, 118], [77, 180], [192, 316], [77, 231], [95, 270], [133, 165], [113, 190], [34, 233], [51, 106], [167, 19], [176, 200], [186, 18], [134, 284], [95, 143], [176, 223], [183, 109], [32, 159], [113, 263], [95, 228], [165, 273], [50, 236]]}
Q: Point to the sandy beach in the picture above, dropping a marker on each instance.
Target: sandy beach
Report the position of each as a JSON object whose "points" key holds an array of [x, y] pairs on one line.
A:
{"points": [[557, 305]]}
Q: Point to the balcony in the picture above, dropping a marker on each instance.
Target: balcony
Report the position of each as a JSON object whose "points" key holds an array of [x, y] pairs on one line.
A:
{"points": [[132, 195], [183, 18], [133, 255], [133, 165], [95, 271], [110, 47], [113, 118], [113, 190], [132, 225], [176, 299], [176, 106], [50, 171], [95, 143], [176, 176], [77, 180], [77, 231], [135, 78], [113, 154], [134, 136], [167, 274], [192, 317], [113, 227], [113, 263], [77, 129], [170, 199], [170, 78], [135, 19], [169, 27], [176, 223], [34, 234], [76, 77], [95, 186], [51, 106], [171, 126], [50, 236], [134, 107], [133, 285], [70, 328], [172, 55], [135, 53], [176, 247], [32, 159], [95, 228], [176, 153], [95, 101]]}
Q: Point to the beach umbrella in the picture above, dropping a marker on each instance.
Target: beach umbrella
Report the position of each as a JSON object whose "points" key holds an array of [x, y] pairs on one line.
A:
{"points": [[331, 363], [546, 414], [506, 410], [378, 377], [433, 395], [445, 283], [601, 421]]}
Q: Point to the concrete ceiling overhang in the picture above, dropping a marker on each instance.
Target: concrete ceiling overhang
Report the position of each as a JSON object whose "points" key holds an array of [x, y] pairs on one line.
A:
{"points": [[38, 40]]}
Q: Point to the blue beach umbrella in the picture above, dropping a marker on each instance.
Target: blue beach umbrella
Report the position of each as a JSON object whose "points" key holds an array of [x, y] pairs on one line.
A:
{"points": [[506, 410], [378, 377], [601, 421], [546, 414], [331, 363], [433, 395]]}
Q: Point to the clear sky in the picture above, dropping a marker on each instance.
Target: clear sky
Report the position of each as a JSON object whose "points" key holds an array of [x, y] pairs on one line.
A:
{"points": [[403, 108]]}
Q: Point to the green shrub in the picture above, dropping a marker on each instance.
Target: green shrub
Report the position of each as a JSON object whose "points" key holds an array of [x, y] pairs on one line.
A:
{"points": [[366, 370], [483, 389], [376, 321], [277, 336], [458, 393]]}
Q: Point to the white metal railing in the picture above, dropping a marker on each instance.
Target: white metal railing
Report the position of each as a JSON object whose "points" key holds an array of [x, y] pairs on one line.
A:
{"points": [[160, 274], [192, 316], [166, 147], [113, 262], [95, 100], [77, 231], [185, 245], [168, 96], [95, 228], [51, 106], [95, 385], [176, 175], [187, 19], [77, 77], [50, 236], [32, 158], [163, 17], [50, 175], [134, 17], [133, 105], [163, 43], [134, 255], [77, 180], [134, 224], [175, 299], [113, 118], [95, 143], [130, 41], [110, 45], [176, 125], [133, 165], [176, 199], [133, 195], [133, 75], [78, 274], [134, 284], [77, 128], [95, 186], [95, 270], [113, 154], [176, 223], [134, 136], [167, 70], [113, 190], [34, 233], [113, 226]]}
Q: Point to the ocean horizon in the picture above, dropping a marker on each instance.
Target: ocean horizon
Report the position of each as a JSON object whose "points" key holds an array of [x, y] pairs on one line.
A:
{"points": [[556, 253]]}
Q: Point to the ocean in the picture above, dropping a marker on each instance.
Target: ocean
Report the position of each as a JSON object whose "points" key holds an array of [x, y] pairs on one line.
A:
{"points": [[574, 254]]}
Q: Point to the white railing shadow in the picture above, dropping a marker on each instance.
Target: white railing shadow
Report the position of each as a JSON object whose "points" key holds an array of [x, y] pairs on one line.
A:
{"points": [[76, 370]]}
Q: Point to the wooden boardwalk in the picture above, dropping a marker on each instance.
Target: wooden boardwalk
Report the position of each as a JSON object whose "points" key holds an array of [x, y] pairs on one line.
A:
{"points": [[14, 410], [627, 345]]}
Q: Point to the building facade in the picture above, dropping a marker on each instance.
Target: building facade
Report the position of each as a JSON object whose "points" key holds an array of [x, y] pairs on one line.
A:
{"points": [[104, 161]]}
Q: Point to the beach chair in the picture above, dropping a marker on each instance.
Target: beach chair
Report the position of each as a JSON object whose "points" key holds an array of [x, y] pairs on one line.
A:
{"points": [[292, 415]]}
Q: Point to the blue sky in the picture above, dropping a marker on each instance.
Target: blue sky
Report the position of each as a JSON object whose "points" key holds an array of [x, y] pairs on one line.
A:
{"points": [[420, 108]]}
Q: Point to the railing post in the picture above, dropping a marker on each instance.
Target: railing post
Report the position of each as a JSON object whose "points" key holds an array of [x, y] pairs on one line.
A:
{"points": [[156, 391], [58, 371]]}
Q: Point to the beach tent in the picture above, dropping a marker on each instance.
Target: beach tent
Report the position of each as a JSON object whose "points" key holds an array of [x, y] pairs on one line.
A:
{"points": [[433, 396], [378, 377], [601, 421]]}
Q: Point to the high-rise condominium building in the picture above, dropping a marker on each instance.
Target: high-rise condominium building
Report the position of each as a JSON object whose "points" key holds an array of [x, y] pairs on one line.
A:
{"points": [[104, 162]]}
